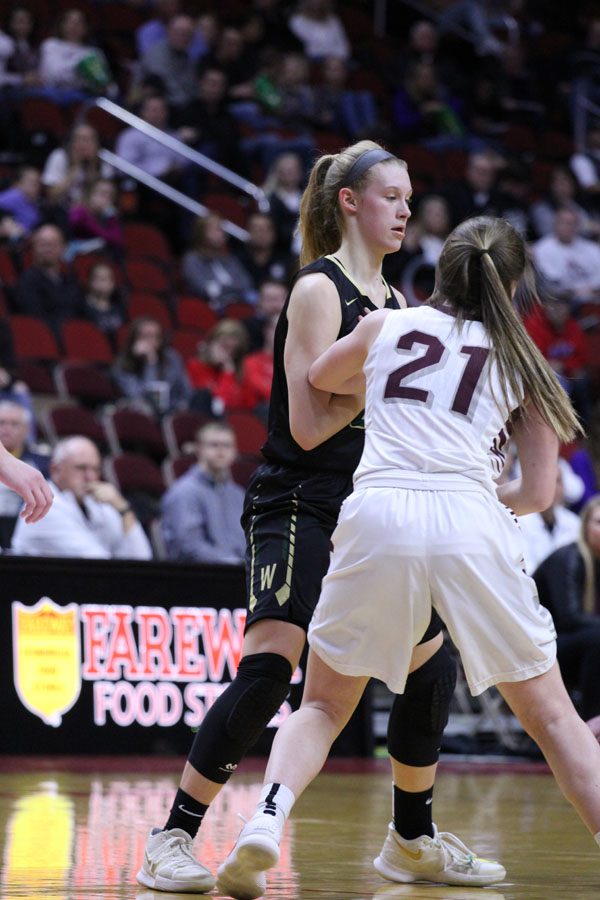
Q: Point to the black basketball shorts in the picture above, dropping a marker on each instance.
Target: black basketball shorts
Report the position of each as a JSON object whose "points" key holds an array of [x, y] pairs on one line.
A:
{"points": [[289, 516]]}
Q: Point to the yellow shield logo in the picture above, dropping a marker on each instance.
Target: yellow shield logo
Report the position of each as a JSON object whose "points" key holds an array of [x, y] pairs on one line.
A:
{"points": [[46, 658]]}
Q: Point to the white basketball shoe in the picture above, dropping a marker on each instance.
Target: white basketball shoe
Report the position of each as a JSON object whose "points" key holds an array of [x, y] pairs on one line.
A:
{"points": [[243, 874], [443, 859], [170, 865]]}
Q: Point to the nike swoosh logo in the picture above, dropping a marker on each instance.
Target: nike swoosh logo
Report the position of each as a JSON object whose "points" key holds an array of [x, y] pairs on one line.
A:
{"points": [[427, 802], [413, 854], [188, 813], [350, 302]]}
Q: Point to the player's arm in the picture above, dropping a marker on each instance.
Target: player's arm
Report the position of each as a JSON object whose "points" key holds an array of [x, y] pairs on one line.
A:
{"points": [[537, 446], [28, 483], [339, 366], [314, 321]]}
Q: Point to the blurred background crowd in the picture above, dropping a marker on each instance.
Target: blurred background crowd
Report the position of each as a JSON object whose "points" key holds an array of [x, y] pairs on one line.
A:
{"points": [[145, 327]]}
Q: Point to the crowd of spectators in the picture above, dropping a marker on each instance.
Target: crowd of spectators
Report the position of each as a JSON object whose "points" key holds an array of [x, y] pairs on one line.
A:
{"points": [[479, 99]]}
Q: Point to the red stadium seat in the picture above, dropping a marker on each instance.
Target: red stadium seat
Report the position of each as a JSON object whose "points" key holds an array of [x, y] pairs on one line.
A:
{"points": [[180, 428], [146, 241], [85, 383], [140, 305], [227, 206], [33, 339], [83, 340], [239, 310], [37, 377], [250, 432], [194, 313], [145, 276], [107, 126], [65, 421], [134, 473], [132, 431], [38, 114], [83, 264], [186, 342]]}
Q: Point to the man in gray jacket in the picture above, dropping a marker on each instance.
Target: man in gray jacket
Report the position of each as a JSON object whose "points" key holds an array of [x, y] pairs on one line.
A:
{"points": [[201, 511]]}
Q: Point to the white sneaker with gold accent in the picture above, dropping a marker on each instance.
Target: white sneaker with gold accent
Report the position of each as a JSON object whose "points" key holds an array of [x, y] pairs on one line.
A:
{"points": [[170, 865], [443, 859]]}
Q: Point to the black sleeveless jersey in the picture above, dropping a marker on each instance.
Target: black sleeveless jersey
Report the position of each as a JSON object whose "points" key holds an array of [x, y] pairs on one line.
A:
{"points": [[342, 451]]}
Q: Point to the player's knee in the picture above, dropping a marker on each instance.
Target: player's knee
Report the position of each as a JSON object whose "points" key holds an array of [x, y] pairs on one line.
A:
{"points": [[333, 715], [237, 719], [419, 716], [265, 681]]}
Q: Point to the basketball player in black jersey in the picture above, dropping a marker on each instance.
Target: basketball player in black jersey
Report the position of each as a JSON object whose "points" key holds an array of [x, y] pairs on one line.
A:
{"points": [[354, 211]]}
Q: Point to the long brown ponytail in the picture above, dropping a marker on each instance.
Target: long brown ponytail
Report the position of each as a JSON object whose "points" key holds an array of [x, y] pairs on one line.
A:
{"points": [[480, 263]]}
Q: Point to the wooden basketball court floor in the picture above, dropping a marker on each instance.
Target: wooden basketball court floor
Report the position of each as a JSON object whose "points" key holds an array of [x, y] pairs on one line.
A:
{"points": [[75, 830]]}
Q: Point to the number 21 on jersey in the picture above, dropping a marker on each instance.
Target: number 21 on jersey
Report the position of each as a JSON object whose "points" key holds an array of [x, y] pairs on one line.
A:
{"points": [[434, 357]]}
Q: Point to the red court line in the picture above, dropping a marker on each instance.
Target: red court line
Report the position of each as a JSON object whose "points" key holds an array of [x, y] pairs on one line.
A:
{"points": [[174, 764]]}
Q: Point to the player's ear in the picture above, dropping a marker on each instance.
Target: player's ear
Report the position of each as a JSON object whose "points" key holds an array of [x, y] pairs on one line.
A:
{"points": [[347, 199]]}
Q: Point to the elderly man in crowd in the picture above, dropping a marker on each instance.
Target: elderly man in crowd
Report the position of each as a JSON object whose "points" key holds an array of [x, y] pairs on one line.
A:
{"points": [[89, 517], [201, 510]]}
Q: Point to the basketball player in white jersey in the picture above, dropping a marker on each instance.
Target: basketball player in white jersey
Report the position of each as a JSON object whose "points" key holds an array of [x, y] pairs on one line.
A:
{"points": [[426, 527]]}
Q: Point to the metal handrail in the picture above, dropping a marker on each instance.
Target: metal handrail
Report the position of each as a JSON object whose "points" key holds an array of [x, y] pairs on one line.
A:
{"points": [[167, 191], [167, 140]]}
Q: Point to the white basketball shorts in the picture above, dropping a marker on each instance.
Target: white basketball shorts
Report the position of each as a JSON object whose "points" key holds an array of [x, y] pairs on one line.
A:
{"points": [[399, 551]]}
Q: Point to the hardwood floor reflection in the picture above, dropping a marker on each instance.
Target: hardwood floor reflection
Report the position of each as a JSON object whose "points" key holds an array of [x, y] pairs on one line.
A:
{"points": [[81, 836]]}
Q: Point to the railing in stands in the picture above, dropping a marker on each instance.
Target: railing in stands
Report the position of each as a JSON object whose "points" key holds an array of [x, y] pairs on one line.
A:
{"points": [[167, 191], [194, 156], [584, 109]]}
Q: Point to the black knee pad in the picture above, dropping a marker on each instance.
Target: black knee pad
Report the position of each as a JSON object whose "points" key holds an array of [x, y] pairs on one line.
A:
{"points": [[419, 716], [239, 716]]}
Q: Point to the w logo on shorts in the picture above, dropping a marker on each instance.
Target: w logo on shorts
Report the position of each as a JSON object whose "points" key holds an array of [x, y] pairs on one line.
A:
{"points": [[267, 573], [262, 574]]}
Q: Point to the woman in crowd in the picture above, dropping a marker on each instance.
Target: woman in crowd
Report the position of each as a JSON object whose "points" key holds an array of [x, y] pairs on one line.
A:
{"points": [[216, 372], [149, 372], [71, 170], [210, 269]]}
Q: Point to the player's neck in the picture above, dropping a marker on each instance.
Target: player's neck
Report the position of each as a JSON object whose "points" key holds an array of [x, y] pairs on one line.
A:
{"points": [[363, 265]]}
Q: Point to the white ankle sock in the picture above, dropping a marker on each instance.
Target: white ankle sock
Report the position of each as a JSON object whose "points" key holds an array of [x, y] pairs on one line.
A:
{"points": [[278, 794], [597, 838]]}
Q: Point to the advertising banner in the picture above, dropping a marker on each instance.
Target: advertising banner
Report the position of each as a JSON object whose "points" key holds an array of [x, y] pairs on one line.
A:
{"points": [[124, 657]]}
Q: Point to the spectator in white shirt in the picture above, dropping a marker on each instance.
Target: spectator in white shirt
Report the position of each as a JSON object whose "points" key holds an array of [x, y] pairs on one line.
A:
{"points": [[320, 30], [70, 68], [569, 262], [545, 532], [89, 518]]}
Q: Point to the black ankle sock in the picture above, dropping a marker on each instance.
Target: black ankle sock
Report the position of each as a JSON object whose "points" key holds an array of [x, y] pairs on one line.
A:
{"points": [[186, 813], [412, 813]]}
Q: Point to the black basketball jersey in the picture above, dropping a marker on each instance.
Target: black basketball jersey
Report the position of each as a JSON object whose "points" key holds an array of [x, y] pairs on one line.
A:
{"points": [[342, 451]]}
